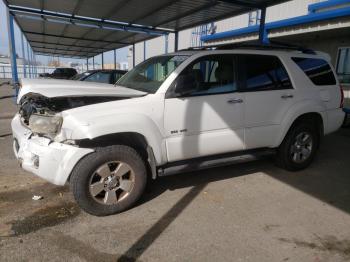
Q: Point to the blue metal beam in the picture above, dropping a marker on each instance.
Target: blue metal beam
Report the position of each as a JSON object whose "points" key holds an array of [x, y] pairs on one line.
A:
{"points": [[312, 8], [28, 61], [144, 50], [12, 46], [33, 60], [263, 38], [295, 21], [24, 67]]}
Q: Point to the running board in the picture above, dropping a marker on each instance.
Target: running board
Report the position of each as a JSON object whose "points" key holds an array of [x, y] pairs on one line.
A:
{"points": [[213, 161]]}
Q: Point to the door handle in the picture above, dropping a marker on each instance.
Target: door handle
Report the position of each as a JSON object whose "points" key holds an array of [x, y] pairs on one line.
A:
{"points": [[235, 101], [287, 96]]}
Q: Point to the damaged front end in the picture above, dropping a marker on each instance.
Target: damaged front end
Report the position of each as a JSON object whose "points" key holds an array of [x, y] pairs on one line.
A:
{"points": [[42, 114]]}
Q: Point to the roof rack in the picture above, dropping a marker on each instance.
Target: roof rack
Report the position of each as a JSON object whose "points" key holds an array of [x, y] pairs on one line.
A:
{"points": [[274, 45]]}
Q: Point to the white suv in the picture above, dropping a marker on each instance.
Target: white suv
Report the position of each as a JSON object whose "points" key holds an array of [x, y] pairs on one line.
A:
{"points": [[172, 113]]}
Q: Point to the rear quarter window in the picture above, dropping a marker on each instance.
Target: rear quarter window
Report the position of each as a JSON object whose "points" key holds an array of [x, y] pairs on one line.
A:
{"points": [[317, 70], [263, 73]]}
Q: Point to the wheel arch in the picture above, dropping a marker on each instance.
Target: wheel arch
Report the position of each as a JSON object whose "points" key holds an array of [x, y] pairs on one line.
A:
{"points": [[302, 114], [134, 140]]}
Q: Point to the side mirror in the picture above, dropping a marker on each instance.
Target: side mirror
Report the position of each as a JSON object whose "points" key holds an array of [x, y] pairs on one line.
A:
{"points": [[185, 84]]}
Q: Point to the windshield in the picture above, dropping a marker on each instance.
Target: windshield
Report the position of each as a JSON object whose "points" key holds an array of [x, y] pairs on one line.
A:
{"points": [[150, 75]]}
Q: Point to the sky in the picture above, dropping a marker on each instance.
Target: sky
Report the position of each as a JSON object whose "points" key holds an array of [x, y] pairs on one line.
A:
{"points": [[121, 54]]}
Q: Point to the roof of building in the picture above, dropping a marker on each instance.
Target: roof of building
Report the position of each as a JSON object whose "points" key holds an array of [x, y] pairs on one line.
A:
{"points": [[85, 28]]}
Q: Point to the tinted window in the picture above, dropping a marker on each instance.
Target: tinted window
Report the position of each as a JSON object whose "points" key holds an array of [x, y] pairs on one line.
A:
{"points": [[212, 74], [318, 70], [58, 71], [261, 72], [117, 75], [100, 77]]}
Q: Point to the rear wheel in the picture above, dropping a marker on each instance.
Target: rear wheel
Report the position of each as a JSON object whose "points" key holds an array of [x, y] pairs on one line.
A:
{"points": [[299, 147], [109, 180]]}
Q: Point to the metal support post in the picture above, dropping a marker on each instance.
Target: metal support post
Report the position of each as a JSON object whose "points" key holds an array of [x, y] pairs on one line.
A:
{"points": [[166, 40], [176, 46], [133, 55], [12, 46], [28, 62], [263, 38], [115, 59], [24, 58]]}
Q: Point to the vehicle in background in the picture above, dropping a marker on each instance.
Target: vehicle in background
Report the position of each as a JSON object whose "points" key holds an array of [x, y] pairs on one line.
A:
{"points": [[100, 76], [60, 73]]}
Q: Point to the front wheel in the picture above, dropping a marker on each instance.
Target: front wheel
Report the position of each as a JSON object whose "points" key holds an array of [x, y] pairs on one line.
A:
{"points": [[109, 180], [299, 147]]}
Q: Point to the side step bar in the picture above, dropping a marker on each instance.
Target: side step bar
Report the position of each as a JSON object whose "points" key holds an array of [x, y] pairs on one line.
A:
{"points": [[213, 161]]}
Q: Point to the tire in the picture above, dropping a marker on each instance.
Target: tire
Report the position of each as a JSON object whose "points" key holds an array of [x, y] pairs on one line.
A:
{"points": [[109, 180], [293, 147]]}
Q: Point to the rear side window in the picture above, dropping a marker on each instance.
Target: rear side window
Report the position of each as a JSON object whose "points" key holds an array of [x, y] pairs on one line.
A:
{"points": [[263, 73], [318, 70]]}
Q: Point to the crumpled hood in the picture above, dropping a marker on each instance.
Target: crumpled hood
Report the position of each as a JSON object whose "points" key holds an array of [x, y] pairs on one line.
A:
{"points": [[70, 88]]}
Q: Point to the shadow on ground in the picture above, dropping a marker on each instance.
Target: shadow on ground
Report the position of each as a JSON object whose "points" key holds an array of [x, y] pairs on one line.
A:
{"points": [[328, 180]]}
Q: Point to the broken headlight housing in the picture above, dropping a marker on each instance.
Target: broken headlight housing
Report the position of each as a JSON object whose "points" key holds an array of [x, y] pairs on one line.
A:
{"points": [[45, 124]]}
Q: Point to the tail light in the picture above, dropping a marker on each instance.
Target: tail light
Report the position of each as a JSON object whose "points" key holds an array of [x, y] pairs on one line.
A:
{"points": [[341, 97]]}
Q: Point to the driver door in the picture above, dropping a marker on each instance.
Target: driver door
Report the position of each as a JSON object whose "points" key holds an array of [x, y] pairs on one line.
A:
{"points": [[209, 119]]}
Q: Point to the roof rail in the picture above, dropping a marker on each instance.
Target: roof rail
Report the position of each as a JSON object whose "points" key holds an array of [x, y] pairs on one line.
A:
{"points": [[274, 45]]}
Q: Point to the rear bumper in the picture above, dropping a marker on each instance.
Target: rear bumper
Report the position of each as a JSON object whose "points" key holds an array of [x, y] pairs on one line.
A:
{"points": [[335, 119], [49, 160]]}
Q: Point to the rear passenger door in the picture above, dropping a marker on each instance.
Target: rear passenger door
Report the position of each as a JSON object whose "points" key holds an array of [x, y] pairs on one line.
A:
{"points": [[268, 96]]}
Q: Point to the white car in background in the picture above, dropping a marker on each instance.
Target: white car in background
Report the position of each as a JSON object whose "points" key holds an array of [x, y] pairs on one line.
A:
{"points": [[173, 113]]}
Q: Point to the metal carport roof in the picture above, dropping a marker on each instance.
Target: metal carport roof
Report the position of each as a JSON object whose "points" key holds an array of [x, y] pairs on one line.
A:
{"points": [[85, 28]]}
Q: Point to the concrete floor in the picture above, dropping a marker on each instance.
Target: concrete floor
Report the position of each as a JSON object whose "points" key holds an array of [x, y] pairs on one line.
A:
{"points": [[247, 212]]}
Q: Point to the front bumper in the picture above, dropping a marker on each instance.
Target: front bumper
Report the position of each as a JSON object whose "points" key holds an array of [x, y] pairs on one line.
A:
{"points": [[49, 160]]}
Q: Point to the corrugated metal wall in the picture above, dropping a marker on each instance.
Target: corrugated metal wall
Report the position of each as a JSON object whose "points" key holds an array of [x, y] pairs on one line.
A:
{"points": [[286, 10]]}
